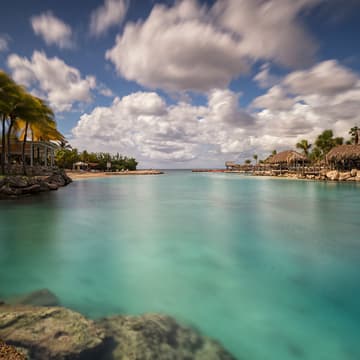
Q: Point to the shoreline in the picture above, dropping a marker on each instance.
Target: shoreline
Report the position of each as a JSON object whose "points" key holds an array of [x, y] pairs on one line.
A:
{"points": [[76, 175], [322, 175]]}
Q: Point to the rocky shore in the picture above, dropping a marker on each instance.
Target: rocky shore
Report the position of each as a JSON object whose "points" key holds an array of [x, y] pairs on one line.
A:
{"points": [[14, 186], [325, 175], [30, 331]]}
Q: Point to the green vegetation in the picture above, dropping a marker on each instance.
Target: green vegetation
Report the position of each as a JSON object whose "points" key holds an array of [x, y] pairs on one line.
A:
{"points": [[304, 146], [324, 143], [355, 134], [22, 116], [66, 157]]}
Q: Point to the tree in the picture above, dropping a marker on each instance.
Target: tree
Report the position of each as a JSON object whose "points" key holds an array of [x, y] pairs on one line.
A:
{"points": [[9, 97], [247, 162], [326, 141], [355, 134], [304, 146], [255, 158], [274, 152], [26, 114]]}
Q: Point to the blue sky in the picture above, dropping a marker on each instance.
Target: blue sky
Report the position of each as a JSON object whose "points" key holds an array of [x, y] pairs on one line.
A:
{"points": [[188, 83]]}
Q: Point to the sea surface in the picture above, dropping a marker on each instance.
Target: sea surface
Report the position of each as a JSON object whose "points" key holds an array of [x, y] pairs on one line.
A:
{"points": [[269, 267]]}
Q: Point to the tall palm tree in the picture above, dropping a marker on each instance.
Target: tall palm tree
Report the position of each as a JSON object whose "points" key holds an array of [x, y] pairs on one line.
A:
{"points": [[39, 118], [9, 95], [255, 158], [304, 146], [355, 133]]}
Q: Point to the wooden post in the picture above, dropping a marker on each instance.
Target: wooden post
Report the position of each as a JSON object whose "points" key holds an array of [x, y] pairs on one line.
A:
{"points": [[32, 154], [46, 155]]}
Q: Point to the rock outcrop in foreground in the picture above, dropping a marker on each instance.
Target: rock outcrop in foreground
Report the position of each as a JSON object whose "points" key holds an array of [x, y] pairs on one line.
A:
{"points": [[56, 333], [158, 337], [17, 185]]}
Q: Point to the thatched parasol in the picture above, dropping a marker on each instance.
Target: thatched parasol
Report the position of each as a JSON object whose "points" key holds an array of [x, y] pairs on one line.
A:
{"points": [[286, 157], [344, 152]]}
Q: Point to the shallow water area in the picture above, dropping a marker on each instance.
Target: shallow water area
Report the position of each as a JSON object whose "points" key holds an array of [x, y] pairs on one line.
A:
{"points": [[270, 268]]}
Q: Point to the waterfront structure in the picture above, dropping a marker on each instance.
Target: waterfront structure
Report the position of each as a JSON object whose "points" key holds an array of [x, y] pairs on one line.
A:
{"points": [[36, 152], [286, 159], [345, 157]]}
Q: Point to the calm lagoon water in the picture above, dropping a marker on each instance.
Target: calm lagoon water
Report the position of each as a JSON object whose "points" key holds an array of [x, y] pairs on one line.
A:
{"points": [[271, 268]]}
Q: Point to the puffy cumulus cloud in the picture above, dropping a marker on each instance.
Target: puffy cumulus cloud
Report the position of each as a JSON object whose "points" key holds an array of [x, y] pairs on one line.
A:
{"points": [[326, 78], [193, 47], [111, 13], [52, 30], [61, 84], [269, 29], [275, 99], [304, 103], [144, 125]]}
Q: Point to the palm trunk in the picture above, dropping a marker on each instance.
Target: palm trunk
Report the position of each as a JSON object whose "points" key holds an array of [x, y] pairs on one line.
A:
{"points": [[23, 148], [3, 145], [8, 141]]}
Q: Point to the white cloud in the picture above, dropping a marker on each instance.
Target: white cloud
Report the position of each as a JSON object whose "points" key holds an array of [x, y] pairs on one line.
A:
{"points": [[105, 91], [52, 30], [326, 78], [61, 84], [264, 78], [192, 47], [4, 43], [142, 124], [111, 13], [326, 96], [159, 134]]}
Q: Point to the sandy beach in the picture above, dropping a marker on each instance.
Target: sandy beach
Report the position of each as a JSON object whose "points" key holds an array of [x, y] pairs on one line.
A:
{"points": [[78, 175]]}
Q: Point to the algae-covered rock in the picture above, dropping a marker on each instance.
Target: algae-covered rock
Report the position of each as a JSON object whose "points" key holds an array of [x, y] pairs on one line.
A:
{"points": [[158, 337], [43, 297], [8, 352], [51, 333]]}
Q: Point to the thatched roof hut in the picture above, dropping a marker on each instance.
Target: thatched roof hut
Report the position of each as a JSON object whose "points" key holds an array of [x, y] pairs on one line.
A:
{"points": [[286, 157], [345, 156], [344, 152], [230, 165]]}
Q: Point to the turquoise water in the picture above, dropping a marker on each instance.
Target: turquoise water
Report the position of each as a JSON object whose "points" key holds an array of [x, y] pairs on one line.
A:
{"points": [[268, 267]]}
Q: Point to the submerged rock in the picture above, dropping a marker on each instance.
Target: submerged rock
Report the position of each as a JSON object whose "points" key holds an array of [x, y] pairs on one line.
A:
{"points": [[158, 337], [8, 352], [51, 333], [43, 297]]}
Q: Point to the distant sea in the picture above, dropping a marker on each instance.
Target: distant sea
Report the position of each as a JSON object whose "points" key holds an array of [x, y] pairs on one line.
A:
{"points": [[269, 267]]}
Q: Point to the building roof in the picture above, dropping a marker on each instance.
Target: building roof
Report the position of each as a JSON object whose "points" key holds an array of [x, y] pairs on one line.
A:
{"points": [[287, 157], [344, 152]]}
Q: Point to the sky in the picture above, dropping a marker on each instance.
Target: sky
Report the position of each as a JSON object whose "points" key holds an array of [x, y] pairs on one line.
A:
{"points": [[188, 83]]}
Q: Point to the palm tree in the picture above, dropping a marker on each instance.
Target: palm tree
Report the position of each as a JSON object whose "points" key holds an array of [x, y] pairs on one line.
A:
{"points": [[9, 96], [304, 146], [274, 152], [255, 158], [326, 141], [355, 133]]}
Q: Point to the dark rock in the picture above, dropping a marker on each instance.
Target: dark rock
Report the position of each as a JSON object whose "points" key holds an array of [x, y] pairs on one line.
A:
{"points": [[31, 189], [158, 337], [17, 181], [44, 186], [43, 297], [51, 333], [56, 179], [52, 186]]}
